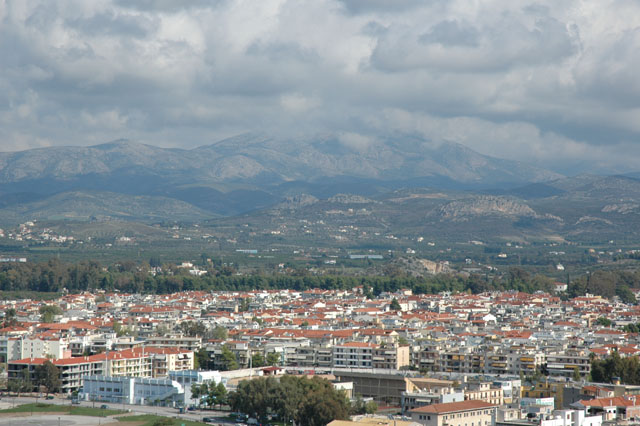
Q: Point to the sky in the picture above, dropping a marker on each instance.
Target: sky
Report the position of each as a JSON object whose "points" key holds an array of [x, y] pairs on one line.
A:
{"points": [[553, 83]]}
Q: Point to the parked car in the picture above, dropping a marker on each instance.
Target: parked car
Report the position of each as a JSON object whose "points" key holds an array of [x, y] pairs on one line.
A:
{"points": [[104, 407], [49, 397], [208, 419]]}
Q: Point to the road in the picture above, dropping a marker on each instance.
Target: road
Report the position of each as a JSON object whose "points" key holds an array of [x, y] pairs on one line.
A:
{"points": [[10, 401]]}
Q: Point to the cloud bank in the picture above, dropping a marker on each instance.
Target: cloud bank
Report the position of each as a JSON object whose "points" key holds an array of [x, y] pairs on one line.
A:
{"points": [[551, 83]]}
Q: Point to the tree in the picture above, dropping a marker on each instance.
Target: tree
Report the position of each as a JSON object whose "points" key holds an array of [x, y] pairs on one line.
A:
{"points": [[576, 374], [402, 341], [229, 360], [370, 407], [48, 312], [118, 329], [244, 304], [162, 330], [193, 328], [219, 393], [273, 358], [196, 392], [395, 305], [257, 360], [10, 317], [220, 333], [308, 402], [625, 294], [20, 383], [48, 375], [202, 360], [606, 322]]}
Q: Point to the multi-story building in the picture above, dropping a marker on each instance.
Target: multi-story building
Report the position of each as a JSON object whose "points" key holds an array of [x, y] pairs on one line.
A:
{"points": [[571, 418], [41, 346], [240, 349], [464, 413], [130, 363], [384, 386], [177, 341], [165, 360], [484, 391], [391, 357], [468, 361], [354, 355], [132, 390], [566, 363]]}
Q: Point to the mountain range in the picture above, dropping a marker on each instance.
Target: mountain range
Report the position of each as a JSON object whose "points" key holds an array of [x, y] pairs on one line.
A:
{"points": [[405, 185], [247, 172]]}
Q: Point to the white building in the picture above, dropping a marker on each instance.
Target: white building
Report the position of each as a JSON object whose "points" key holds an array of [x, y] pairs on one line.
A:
{"points": [[22, 347], [353, 354], [131, 390], [571, 418], [187, 378], [469, 413]]}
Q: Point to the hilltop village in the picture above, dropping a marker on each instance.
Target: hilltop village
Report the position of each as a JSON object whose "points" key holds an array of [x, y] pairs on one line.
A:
{"points": [[508, 357]]}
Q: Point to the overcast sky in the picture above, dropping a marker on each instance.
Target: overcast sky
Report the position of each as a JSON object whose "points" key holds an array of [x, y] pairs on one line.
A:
{"points": [[554, 83]]}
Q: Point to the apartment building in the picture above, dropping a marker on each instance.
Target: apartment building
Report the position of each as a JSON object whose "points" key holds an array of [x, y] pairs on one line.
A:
{"points": [[165, 360], [571, 418], [354, 355], [39, 346], [128, 363], [462, 362], [565, 363], [177, 341], [484, 391], [72, 370], [465, 413], [391, 357]]}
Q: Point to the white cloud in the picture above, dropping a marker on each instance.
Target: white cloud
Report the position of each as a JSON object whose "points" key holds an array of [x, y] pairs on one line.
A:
{"points": [[535, 81]]}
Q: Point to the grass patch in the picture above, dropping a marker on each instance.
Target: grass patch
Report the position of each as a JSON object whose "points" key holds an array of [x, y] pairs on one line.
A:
{"points": [[37, 408], [94, 412], [52, 408], [151, 420]]}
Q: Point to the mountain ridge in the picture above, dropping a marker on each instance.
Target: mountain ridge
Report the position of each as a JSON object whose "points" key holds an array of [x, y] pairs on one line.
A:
{"points": [[250, 171]]}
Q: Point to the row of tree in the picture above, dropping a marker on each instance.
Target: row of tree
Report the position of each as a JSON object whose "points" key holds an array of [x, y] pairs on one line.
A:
{"points": [[614, 366], [209, 394], [228, 360], [53, 276], [46, 376]]}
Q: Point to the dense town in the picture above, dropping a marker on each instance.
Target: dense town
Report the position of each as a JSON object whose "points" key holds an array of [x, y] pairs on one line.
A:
{"points": [[456, 359]]}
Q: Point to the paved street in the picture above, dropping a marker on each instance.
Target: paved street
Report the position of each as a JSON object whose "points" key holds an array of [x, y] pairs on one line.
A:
{"points": [[10, 401]]}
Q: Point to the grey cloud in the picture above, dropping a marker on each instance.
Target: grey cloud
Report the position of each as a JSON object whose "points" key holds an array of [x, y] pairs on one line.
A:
{"points": [[278, 52], [452, 33], [461, 47], [170, 6], [529, 81], [108, 23], [376, 6]]}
